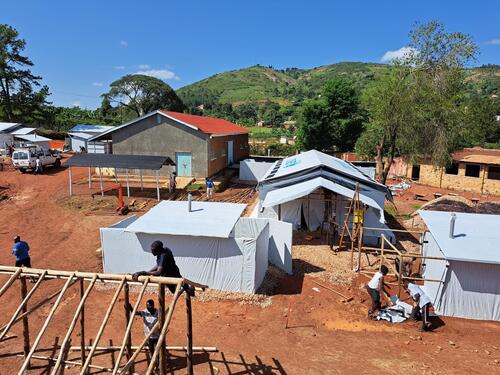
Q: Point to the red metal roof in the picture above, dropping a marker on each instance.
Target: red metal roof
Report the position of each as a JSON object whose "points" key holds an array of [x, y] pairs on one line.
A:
{"points": [[208, 125]]}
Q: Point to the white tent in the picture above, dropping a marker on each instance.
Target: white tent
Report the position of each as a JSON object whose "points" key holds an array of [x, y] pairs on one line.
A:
{"points": [[294, 190], [470, 275], [211, 244]]}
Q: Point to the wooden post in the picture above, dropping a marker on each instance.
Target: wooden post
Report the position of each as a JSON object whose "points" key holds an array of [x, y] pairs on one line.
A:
{"points": [[157, 186], [70, 182], [100, 182], [382, 240], [26, 328], [140, 175], [128, 185], [126, 302], [360, 244], [90, 179], [189, 351], [82, 323], [400, 276], [161, 320], [10, 281]]}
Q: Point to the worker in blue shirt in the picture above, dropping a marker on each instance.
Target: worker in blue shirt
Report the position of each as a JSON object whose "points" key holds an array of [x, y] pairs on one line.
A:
{"points": [[21, 252], [210, 187]]}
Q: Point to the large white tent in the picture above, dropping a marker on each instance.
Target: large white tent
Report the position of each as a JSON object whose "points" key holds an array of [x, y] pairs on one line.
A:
{"points": [[295, 188], [211, 244], [470, 275]]}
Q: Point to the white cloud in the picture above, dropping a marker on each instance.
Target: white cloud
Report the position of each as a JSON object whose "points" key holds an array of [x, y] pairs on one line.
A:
{"points": [[77, 103], [398, 54], [494, 42], [97, 84], [123, 43], [119, 67], [159, 73], [144, 66]]}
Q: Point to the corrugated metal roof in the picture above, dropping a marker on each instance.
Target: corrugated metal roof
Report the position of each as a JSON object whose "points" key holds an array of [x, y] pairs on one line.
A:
{"points": [[5, 126], [476, 236], [81, 135], [33, 138], [23, 131], [119, 161], [482, 159], [90, 128]]}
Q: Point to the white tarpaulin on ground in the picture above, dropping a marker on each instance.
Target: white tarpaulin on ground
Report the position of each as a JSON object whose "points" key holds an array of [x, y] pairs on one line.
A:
{"points": [[237, 262], [470, 271], [213, 219]]}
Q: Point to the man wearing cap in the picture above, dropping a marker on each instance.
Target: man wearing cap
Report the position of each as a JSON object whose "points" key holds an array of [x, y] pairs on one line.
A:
{"points": [[21, 252]]}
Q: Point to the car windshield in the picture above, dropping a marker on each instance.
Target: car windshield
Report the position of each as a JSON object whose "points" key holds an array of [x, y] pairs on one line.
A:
{"points": [[20, 155]]}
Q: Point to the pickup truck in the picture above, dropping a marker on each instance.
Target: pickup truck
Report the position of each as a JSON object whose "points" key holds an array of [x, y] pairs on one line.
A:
{"points": [[25, 158]]}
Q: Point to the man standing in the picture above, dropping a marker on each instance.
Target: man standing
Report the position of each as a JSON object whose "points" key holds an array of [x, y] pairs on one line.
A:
{"points": [[21, 252], [38, 165], [210, 187], [165, 264], [149, 317], [375, 286], [421, 305]]}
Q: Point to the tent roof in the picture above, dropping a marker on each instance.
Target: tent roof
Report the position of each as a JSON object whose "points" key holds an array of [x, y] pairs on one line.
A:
{"points": [[304, 188], [119, 161], [32, 138], [312, 160], [476, 235], [207, 219]]}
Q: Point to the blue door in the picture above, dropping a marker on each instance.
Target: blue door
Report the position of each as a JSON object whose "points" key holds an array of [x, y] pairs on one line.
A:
{"points": [[183, 162]]}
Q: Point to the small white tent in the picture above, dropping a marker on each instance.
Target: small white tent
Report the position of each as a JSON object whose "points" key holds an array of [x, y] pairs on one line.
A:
{"points": [[470, 275], [212, 244], [312, 187]]}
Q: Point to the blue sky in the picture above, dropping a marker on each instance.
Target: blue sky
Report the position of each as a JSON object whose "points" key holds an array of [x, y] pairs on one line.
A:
{"points": [[80, 47]]}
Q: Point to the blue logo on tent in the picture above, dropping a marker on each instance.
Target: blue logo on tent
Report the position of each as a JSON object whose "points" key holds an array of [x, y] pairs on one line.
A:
{"points": [[291, 163]]}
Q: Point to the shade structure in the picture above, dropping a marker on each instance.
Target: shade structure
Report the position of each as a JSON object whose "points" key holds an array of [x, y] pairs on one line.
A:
{"points": [[149, 162]]}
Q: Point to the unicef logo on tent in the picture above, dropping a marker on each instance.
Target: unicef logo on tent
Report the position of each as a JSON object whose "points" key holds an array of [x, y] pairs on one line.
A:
{"points": [[291, 163]]}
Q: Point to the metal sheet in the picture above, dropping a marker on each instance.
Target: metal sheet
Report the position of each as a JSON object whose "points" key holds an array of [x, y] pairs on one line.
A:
{"points": [[119, 161]]}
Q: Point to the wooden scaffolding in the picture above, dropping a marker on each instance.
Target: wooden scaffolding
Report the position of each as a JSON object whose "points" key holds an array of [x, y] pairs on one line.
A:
{"points": [[86, 282]]}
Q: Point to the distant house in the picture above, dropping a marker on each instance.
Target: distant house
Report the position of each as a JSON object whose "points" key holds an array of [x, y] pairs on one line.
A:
{"points": [[16, 134], [81, 133], [200, 146], [474, 169]]}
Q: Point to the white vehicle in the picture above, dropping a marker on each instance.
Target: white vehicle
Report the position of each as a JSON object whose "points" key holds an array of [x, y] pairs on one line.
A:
{"points": [[25, 158]]}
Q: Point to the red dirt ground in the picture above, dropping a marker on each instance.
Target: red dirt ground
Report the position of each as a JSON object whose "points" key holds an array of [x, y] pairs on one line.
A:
{"points": [[325, 336]]}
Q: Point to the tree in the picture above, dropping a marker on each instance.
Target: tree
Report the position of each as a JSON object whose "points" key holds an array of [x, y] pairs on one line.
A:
{"points": [[418, 110], [18, 99], [481, 124], [142, 94], [271, 115], [334, 121]]}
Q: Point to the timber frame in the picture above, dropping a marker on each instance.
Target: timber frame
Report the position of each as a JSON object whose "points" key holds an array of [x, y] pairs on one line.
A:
{"points": [[122, 284]]}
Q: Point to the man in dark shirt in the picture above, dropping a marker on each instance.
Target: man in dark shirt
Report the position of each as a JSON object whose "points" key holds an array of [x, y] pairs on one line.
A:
{"points": [[165, 264], [21, 252]]}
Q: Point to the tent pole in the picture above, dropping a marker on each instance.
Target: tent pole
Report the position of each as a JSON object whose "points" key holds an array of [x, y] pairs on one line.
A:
{"points": [[70, 182], [126, 303], [128, 186], [100, 181], [161, 321], [90, 179], [157, 186], [26, 328], [189, 349], [82, 321], [140, 174]]}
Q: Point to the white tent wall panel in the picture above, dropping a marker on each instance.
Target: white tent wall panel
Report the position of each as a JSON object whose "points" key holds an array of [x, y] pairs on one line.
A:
{"points": [[76, 143], [472, 290], [251, 170], [280, 244], [433, 269]]}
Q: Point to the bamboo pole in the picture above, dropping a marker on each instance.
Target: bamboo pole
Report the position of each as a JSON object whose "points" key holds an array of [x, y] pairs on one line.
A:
{"points": [[189, 351], [161, 338], [142, 184], [100, 182], [126, 337], [22, 306], [161, 305], [26, 328], [45, 325], [128, 186], [126, 303], [102, 277], [11, 280], [138, 349], [103, 325], [396, 230], [114, 348], [382, 246], [400, 276], [70, 182], [82, 323], [90, 179], [72, 325]]}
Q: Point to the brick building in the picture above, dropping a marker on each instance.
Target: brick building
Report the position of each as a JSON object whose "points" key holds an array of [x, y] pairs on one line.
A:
{"points": [[200, 146], [474, 170]]}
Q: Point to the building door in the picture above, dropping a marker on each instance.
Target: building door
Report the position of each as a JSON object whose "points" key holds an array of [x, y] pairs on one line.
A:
{"points": [[230, 158], [415, 173], [183, 163]]}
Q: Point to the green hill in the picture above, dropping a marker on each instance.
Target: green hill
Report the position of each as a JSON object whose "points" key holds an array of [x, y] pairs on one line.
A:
{"points": [[258, 85]]}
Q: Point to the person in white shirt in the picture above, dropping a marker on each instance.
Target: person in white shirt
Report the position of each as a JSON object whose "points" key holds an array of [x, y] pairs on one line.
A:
{"points": [[149, 318], [374, 287], [38, 165], [421, 305]]}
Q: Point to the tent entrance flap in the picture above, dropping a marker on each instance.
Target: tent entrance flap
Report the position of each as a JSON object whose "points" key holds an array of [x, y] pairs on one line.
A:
{"points": [[299, 190]]}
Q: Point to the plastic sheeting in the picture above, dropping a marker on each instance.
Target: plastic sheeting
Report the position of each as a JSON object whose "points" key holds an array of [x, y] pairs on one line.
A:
{"points": [[211, 219], [251, 170]]}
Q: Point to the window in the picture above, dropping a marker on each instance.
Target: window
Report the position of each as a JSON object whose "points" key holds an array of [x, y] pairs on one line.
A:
{"points": [[452, 169], [472, 170], [213, 155], [493, 173]]}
